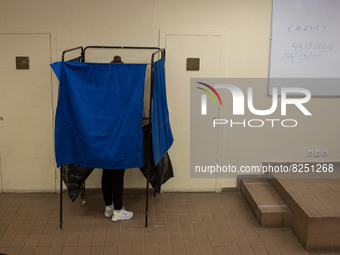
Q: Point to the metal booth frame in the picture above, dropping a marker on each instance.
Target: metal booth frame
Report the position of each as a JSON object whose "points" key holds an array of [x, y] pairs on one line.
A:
{"points": [[82, 57]]}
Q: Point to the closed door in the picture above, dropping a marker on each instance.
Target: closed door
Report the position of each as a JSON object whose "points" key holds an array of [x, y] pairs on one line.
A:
{"points": [[26, 127], [208, 50]]}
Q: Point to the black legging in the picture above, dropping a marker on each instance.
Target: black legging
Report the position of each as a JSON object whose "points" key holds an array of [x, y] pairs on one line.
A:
{"points": [[112, 187]]}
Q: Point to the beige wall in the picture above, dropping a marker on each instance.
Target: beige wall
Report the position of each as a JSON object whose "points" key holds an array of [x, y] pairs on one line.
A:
{"points": [[247, 24]]}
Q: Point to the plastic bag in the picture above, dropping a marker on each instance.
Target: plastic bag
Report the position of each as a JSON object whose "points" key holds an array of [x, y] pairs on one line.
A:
{"points": [[74, 177], [160, 173]]}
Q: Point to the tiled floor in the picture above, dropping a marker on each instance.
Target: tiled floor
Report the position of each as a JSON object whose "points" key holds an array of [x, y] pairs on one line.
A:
{"points": [[179, 223]]}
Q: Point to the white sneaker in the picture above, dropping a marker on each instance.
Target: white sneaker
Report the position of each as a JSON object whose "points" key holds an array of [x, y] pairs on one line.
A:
{"points": [[108, 211], [121, 215]]}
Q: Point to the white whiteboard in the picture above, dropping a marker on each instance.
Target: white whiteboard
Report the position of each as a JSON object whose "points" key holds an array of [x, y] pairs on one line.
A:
{"points": [[305, 43]]}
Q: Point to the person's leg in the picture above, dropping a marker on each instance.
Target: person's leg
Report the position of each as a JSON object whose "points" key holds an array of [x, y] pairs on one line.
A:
{"points": [[118, 187], [107, 186], [107, 190], [119, 212]]}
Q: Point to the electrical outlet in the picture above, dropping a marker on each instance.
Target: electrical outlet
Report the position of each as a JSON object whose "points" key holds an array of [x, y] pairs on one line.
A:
{"points": [[324, 152], [310, 153], [317, 153]]}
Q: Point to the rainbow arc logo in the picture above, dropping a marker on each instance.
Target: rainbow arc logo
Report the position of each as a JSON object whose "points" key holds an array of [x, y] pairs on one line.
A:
{"points": [[209, 93], [204, 97]]}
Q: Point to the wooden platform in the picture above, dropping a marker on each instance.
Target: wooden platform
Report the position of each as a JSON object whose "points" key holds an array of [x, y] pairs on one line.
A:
{"points": [[311, 207]]}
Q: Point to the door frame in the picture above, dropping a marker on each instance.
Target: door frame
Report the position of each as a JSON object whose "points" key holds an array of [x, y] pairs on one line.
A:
{"points": [[223, 34], [51, 32]]}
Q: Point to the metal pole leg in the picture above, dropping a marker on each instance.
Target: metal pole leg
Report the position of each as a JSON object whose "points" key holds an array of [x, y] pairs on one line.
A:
{"points": [[61, 199]]}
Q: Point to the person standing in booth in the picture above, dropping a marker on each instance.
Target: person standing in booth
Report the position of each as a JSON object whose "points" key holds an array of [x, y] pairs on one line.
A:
{"points": [[113, 187]]}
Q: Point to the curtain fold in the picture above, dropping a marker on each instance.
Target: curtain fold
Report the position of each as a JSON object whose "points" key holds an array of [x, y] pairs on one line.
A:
{"points": [[162, 138], [99, 114]]}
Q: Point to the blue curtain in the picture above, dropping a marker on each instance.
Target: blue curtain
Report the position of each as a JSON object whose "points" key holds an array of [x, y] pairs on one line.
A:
{"points": [[99, 114], [162, 138]]}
